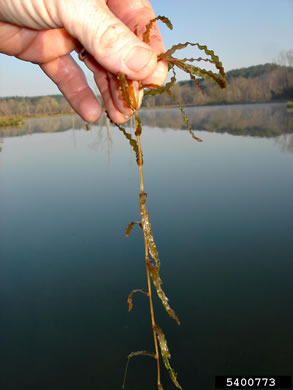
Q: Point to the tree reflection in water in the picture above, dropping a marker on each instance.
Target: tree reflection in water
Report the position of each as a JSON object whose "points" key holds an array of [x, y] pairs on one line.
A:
{"points": [[255, 120], [285, 141], [261, 120]]}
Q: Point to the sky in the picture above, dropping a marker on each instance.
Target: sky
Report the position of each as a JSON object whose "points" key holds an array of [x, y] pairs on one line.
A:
{"points": [[242, 33]]}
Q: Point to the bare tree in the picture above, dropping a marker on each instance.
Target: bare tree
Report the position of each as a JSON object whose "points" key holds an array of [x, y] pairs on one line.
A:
{"points": [[285, 58]]}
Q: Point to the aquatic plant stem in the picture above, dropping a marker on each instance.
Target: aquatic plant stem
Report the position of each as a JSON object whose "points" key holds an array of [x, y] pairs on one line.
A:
{"points": [[140, 164], [129, 96], [149, 293], [157, 356]]}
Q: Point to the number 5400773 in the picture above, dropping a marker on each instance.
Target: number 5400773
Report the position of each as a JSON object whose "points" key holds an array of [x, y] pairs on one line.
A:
{"points": [[251, 382]]}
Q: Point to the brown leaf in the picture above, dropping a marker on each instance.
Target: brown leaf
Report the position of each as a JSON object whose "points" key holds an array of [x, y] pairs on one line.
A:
{"points": [[129, 299]]}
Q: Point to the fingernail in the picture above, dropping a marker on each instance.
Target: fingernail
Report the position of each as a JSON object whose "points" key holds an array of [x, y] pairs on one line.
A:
{"points": [[138, 58]]}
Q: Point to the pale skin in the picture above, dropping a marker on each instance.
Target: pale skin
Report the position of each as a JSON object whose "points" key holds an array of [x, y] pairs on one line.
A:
{"points": [[45, 32]]}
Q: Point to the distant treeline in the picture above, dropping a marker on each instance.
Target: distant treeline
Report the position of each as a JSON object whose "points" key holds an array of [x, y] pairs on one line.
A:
{"points": [[37, 105], [261, 83]]}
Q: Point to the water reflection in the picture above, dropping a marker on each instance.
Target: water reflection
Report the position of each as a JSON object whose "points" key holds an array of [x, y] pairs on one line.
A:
{"points": [[48, 124], [285, 142], [222, 218], [103, 137], [262, 120]]}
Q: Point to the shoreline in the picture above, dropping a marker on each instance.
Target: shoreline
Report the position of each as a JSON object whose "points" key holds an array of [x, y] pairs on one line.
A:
{"points": [[15, 120]]}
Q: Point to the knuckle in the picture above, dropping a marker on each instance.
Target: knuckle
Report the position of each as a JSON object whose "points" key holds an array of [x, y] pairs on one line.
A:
{"points": [[107, 38]]}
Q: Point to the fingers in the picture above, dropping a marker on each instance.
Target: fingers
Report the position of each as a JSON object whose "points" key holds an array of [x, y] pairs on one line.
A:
{"points": [[107, 38], [71, 81], [46, 45], [34, 14], [104, 28], [35, 46], [108, 87], [136, 14], [116, 95]]}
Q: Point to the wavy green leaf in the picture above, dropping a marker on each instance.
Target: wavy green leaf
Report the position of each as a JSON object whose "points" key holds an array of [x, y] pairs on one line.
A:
{"points": [[138, 128], [154, 268], [199, 59], [146, 34], [128, 136], [215, 59], [157, 89], [147, 230], [157, 282], [220, 78], [166, 355], [206, 74], [127, 91], [185, 118]]}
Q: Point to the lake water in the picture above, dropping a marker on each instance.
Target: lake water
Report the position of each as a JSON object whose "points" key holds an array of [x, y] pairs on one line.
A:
{"points": [[222, 217]]}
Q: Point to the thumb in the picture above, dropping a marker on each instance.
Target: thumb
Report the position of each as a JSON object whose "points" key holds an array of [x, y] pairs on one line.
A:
{"points": [[113, 45]]}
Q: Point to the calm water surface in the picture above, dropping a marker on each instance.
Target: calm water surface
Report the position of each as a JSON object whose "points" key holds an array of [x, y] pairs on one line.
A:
{"points": [[222, 217]]}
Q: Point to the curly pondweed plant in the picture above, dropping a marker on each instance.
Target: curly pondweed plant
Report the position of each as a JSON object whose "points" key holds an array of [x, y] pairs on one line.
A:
{"points": [[152, 261]]}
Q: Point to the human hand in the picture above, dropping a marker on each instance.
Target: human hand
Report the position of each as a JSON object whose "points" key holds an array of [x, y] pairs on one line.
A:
{"points": [[46, 32]]}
